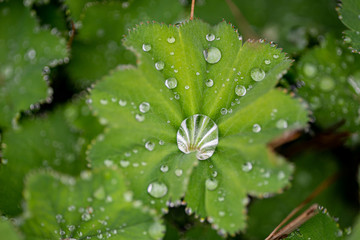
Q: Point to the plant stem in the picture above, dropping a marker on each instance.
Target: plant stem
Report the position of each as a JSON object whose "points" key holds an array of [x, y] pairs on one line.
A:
{"points": [[323, 185], [192, 10], [244, 26]]}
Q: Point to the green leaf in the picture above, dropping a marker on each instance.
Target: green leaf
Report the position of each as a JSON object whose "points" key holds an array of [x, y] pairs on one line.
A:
{"points": [[354, 233], [97, 47], [8, 231], [331, 80], [98, 204], [143, 117], [43, 142], [349, 12], [311, 170], [321, 226], [25, 51]]}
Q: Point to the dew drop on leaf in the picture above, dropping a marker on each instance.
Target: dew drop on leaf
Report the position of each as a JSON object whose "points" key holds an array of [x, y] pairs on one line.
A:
{"points": [[171, 83], [178, 172], [256, 128], [149, 145], [124, 163], [198, 133], [327, 84], [159, 65], [257, 74], [146, 47], [171, 40], [212, 55], [122, 103], [247, 167], [223, 111], [139, 117], [210, 37], [164, 168], [267, 61], [211, 184], [281, 124], [157, 189], [144, 107], [156, 231], [209, 83], [240, 90]]}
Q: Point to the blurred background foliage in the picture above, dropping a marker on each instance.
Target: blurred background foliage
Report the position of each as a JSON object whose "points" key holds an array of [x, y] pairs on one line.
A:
{"points": [[85, 37]]}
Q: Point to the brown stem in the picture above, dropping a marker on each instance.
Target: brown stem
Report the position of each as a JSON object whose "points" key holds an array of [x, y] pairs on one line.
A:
{"points": [[296, 223], [323, 185], [72, 35], [243, 24], [192, 10]]}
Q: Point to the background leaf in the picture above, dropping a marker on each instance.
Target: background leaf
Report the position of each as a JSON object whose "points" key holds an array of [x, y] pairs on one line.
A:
{"points": [[103, 210], [349, 13], [26, 53]]}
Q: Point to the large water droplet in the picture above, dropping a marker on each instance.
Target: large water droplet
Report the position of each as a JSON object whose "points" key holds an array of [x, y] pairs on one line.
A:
{"points": [[212, 55], [159, 65], [170, 39], [200, 134], [171, 83], [146, 47], [327, 84], [157, 189], [210, 37], [257, 74], [211, 184], [144, 107], [240, 90]]}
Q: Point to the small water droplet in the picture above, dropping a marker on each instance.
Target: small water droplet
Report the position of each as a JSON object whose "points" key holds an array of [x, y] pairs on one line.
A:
{"points": [[187, 87], [256, 128], [122, 103], [211, 184], [146, 47], [178, 172], [247, 167], [281, 124], [164, 168], [276, 56], [157, 189], [144, 107], [267, 61], [139, 117], [212, 55], [240, 90], [159, 65], [103, 101], [156, 231], [171, 83], [210, 37], [209, 83], [223, 111], [198, 133], [149, 145], [124, 163], [257, 74], [170, 39]]}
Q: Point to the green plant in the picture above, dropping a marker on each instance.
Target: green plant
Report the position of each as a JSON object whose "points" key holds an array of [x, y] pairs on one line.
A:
{"points": [[115, 126]]}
